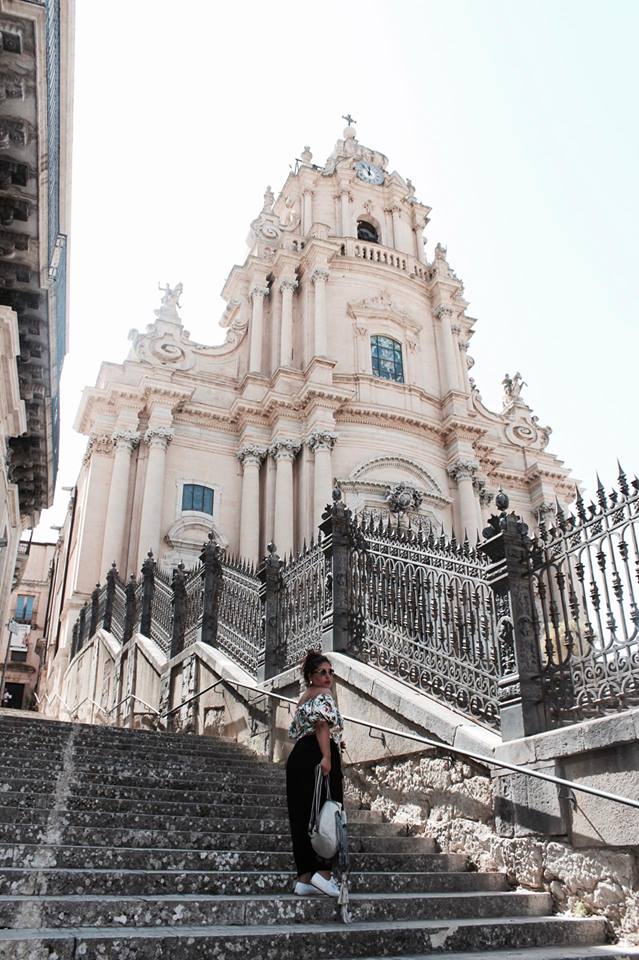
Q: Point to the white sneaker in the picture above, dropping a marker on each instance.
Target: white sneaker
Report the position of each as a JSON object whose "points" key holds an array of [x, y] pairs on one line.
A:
{"points": [[304, 890], [329, 887]]}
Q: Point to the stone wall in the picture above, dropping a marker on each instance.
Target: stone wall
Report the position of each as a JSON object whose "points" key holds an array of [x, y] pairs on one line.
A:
{"points": [[454, 802]]}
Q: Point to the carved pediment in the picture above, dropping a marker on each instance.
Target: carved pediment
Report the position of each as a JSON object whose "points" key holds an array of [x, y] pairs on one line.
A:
{"points": [[380, 307]]}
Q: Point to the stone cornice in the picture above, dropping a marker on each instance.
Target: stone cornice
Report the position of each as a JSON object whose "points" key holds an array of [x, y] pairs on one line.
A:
{"points": [[377, 416]]}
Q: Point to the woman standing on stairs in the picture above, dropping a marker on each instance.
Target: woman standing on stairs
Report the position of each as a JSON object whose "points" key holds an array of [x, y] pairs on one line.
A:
{"points": [[317, 730]]}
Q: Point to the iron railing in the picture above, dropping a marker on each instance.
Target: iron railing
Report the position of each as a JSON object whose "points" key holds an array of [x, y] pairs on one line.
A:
{"points": [[520, 634], [240, 623], [429, 616], [304, 600], [584, 572]]}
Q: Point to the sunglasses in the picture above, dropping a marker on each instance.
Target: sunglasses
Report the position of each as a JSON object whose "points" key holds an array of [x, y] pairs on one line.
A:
{"points": [[325, 673]]}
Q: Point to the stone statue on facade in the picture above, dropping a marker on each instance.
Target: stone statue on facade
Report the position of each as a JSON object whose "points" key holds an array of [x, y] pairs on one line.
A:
{"points": [[513, 387]]}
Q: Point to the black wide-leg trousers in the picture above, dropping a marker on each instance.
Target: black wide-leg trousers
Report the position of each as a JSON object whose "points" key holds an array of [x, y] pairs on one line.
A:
{"points": [[300, 787]]}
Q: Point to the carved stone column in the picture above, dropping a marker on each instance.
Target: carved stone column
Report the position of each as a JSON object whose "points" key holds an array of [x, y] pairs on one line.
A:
{"points": [[124, 442], [284, 453], [257, 328], [321, 442], [445, 315], [307, 211], [395, 213], [345, 209], [320, 340], [463, 470], [158, 439], [287, 288], [250, 457]]}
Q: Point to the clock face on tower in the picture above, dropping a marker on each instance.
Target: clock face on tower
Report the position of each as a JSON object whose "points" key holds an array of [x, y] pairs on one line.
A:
{"points": [[369, 173]]}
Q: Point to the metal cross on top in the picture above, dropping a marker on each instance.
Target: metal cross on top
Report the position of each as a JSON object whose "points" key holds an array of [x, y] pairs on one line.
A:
{"points": [[349, 120]]}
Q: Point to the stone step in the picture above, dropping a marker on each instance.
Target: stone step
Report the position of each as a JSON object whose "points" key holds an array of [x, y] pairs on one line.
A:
{"points": [[150, 780], [163, 763], [619, 951], [29, 858], [217, 804], [60, 730], [30, 833], [193, 910], [263, 853], [292, 941], [84, 754], [225, 820], [134, 791], [59, 882]]}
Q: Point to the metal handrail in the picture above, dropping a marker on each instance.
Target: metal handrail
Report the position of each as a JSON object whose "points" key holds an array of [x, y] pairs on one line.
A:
{"points": [[87, 700], [132, 696], [480, 758]]}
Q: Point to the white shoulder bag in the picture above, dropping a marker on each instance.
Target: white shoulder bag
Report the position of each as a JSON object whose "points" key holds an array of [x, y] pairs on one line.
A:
{"points": [[327, 821]]}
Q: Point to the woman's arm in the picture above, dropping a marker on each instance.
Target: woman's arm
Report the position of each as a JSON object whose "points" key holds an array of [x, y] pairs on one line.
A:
{"points": [[322, 732]]}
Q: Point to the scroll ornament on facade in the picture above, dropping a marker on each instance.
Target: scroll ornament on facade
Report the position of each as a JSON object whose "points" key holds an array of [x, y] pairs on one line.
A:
{"points": [[323, 439], [522, 427], [464, 468], [402, 497], [98, 443], [158, 437], [285, 449], [251, 454]]}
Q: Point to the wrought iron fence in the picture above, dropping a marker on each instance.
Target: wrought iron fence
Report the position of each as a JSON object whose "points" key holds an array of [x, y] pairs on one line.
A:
{"points": [[194, 605], [304, 600], [240, 621], [584, 573], [519, 634], [119, 610], [161, 610], [428, 615]]}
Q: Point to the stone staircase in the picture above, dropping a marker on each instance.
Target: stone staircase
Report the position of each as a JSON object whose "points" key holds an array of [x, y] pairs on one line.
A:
{"points": [[128, 844]]}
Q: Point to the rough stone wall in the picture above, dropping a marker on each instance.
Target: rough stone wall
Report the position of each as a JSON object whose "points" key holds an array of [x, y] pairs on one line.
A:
{"points": [[452, 802]]}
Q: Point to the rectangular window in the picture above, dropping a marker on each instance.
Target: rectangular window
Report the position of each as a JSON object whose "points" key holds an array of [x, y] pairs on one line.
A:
{"points": [[18, 656], [197, 497], [24, 608]]}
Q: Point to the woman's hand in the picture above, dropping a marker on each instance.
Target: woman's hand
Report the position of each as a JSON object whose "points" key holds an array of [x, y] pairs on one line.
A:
{"points": [[325, 765]]}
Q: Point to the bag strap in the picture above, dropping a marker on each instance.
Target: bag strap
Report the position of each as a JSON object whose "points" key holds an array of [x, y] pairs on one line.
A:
{"points": [[316, 806]]}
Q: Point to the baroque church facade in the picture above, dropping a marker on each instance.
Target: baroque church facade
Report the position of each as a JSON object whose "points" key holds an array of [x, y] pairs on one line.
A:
{"points": [[345, 361]]}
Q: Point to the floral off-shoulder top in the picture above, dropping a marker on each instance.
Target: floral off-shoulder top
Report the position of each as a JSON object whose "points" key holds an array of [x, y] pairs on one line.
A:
{"points": [[321, 707]]}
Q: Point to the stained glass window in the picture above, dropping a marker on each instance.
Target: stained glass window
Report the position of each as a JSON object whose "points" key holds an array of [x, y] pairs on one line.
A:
{"points": [[386, 355], [197, 497]]}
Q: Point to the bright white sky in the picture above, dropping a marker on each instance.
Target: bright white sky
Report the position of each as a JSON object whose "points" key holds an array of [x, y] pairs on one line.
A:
{"points": [[515, 119]]}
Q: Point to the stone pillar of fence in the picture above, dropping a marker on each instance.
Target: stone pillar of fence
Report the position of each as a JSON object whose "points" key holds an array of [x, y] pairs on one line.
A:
{"points": [[212, 582], [148, 589], [111, 578], [271, 577], [338, 531], [179, 610], [521, 695], [130, 613]]}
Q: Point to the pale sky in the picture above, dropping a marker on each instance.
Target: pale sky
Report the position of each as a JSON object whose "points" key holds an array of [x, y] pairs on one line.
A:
{"points": [[516, 121]]}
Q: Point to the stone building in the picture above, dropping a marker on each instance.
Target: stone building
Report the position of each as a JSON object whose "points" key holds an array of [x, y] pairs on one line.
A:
{"points": [[346, 360], [23, 643], [35, 136]]}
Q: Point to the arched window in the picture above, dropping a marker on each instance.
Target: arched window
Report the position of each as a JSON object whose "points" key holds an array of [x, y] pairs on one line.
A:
{"points": [[366, 231], [197, 497], [386, 356]]}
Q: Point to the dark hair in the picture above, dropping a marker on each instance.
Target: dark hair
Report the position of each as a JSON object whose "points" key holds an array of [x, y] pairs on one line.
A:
{"points": [[312, 660]]}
